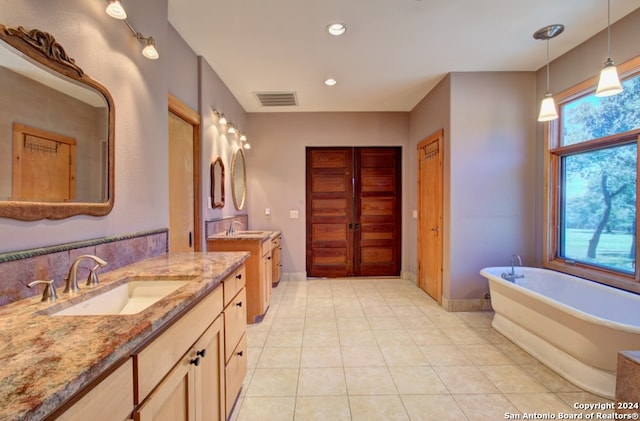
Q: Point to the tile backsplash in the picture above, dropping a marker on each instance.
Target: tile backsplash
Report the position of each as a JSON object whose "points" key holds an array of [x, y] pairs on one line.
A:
{"points": [[215, 226], [17, 269]]}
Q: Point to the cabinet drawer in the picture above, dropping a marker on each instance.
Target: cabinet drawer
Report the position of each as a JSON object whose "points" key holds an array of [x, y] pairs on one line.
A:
{"points": [[235, 371], [235, 322], [116, 391], [233, 283], [154, 361]]}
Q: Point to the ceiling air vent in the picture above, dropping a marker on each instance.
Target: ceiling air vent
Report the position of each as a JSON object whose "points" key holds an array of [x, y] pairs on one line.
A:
{"points": [[277, 99]]}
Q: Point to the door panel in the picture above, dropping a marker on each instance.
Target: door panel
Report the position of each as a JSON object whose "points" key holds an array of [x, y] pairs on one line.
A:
{"points": [[329, 193], [353, 216], [44, 165], [378, 210], [430, 215]]}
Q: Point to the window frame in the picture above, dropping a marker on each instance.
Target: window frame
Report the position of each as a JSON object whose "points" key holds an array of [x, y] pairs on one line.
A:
{"points": [[553, 154]]}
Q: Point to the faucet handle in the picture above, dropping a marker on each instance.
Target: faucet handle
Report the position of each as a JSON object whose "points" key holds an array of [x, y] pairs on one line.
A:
{"points": [[49, 292], [92, 279]]}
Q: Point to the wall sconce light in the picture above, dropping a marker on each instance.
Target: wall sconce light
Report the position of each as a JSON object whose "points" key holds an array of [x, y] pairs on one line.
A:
{"points": [[609, 83], [116, 11], [232, 129], [247, 146], [221, 118], [243, 137], [548, 110]]}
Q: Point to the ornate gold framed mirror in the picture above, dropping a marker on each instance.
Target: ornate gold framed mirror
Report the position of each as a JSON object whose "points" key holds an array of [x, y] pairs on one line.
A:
{"points": [[56, 132], [238, 179], [217, 183]]}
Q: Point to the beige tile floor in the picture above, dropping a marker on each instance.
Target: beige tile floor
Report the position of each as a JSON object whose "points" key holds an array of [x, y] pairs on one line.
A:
{"points": [[381, 349]]}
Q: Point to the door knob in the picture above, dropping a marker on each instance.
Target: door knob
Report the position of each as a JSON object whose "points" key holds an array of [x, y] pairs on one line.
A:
{"points": [[435, 229]]}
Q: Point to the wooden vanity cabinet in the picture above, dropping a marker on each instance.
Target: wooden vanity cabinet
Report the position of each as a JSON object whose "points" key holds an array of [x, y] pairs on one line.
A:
{"points": [[179, 375], [193, 389], [116, 389], [276, 259], [235, 322], [258, 271]]}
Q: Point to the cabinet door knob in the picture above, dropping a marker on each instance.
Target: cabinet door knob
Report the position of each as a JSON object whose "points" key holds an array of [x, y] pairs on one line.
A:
{"points": [[239, 276], [195, 361], [239, 304], [202, 353], [240, 353]]}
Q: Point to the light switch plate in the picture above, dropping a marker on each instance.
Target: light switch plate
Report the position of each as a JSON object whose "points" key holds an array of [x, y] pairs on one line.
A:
{"points": [[293, 214]]}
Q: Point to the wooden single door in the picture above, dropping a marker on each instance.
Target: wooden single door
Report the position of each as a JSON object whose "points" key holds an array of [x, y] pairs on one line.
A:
{"points": [[430, 199], [44, 165], [353, 212], [184, 178]]}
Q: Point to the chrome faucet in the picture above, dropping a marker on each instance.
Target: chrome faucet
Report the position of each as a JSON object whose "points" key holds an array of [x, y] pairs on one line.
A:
{"points": [[511, 276], [72, 279], [232, 228]]}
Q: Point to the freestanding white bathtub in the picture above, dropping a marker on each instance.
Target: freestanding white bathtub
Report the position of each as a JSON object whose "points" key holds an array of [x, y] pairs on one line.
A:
{"points": [[574, 326]]}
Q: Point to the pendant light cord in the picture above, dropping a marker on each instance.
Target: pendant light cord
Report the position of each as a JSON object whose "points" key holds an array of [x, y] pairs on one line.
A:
{"points": [[547, 65]]}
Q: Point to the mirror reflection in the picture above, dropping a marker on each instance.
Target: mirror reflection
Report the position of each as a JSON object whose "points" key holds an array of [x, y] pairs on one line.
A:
{"points": [[217, 183], [238, 179], [56, 131]]}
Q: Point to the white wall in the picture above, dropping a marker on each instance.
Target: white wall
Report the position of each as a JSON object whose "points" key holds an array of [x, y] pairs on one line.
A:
{"points": [[105, 50]]}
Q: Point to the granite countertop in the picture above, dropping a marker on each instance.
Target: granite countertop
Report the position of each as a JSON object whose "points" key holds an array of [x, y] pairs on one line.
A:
{"points": [[262, 235], [46, 360]]}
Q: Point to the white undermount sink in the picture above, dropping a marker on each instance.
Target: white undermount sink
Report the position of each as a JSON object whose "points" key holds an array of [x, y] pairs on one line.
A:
{"points": [[129, 298]]}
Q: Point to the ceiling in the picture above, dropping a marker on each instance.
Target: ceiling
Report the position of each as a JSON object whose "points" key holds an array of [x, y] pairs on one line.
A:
{"points": [[393, 52]]}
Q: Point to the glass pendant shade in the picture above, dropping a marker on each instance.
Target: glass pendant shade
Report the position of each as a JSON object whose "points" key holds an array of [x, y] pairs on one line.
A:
{"points": [[149, 50], [115, 10], [609, 83], [548, 109]]}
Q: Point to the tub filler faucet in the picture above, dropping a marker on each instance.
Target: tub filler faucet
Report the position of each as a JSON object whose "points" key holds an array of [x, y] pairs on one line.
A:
{"points": [[511, 276]]}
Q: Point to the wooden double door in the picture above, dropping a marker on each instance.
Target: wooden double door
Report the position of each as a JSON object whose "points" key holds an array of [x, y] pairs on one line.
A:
{"points": [[353, 211]]}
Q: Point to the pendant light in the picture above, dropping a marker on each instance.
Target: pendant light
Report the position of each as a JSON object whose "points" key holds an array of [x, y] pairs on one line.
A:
{"points": [[548, 110], [609, 83]]}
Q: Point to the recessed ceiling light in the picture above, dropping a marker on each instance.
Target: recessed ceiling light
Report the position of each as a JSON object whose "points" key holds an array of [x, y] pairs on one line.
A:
{"points": [[336, 29], [330, 82]]}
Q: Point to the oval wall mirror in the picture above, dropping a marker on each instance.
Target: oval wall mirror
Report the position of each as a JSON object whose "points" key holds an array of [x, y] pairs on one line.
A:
{"points": [[238, 179], [56, 132], [217, 183]]}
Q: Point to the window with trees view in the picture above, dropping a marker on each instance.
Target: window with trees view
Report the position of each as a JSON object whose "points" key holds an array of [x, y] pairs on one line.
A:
{"points": [[593, 159]]}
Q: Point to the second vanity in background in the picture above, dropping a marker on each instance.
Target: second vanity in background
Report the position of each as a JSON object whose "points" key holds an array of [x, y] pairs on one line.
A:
{"points": [[263, 266]]}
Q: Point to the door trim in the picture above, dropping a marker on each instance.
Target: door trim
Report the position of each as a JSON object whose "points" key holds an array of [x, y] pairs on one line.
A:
{"points": [[183, 111]]}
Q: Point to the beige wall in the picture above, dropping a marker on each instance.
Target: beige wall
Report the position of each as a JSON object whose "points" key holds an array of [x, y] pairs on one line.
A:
{"points": [[582, 63], [492, 175], [431, 114], [276, 166], [488, 170], [106, 51], [493, 158]]}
